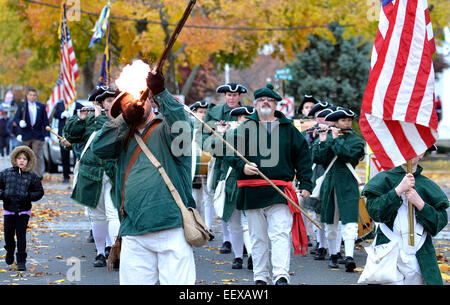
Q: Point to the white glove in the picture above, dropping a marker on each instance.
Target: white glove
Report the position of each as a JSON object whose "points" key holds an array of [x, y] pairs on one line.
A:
{"points": [[65, 114], [19, 138], [46, 139], [22, 124]]}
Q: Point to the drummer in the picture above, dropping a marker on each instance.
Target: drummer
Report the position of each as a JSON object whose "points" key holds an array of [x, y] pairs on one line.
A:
{"points": [[202, 196], [234, 218]]}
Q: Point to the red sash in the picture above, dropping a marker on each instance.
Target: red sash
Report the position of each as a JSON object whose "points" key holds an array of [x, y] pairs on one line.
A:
{"points": [[299, 236]]}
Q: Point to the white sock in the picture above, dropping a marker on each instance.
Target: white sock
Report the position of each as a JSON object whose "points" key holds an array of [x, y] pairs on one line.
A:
{"points": [[226, 232], [99, 231], [237, 244], [209, 214], [349, 246], [113, 231]]}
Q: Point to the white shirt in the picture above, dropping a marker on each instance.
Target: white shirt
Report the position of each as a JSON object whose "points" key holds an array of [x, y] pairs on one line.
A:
{"points": [[32, 111]]}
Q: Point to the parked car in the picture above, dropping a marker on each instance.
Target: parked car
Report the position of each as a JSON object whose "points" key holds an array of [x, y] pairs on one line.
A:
{"points": [[52, 149]]}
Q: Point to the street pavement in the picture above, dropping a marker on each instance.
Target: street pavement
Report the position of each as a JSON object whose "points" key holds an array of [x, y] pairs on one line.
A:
{"points": [[59, 254]]}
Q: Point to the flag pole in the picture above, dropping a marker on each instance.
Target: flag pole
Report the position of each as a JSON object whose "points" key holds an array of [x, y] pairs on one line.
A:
{"points": [[410, 210]]}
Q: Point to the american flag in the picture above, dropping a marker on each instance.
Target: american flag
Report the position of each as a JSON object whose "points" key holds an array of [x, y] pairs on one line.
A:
{"points": [[65, 86], [398, 117]]}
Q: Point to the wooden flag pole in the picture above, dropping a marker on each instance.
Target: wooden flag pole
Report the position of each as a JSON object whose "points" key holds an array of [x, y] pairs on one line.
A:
{"points": [[410, 211]]}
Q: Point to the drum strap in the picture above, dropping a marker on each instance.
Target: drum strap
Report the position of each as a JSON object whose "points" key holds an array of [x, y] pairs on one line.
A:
{"points": [[134, 156]]}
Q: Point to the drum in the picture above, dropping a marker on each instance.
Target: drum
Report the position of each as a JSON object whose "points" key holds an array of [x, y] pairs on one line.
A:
{"points": [[365, 223], [304, 124], [200, 161]]}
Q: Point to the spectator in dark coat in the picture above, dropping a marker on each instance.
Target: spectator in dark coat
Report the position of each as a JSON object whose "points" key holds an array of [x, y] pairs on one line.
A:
{"points": [[4, 134]]}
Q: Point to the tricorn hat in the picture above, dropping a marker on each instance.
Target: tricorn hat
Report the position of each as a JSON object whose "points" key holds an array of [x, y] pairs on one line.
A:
{"points": [[100, 93], [198, 104], [242, 110], [340, 113], [231, 87]]}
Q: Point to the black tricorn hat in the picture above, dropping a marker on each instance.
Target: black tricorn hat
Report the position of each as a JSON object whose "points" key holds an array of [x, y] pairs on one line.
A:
{"points": [[100, 93], [340, 113], [231, 87], [198, 104], [317, 107], [243, 110], [306, 99]]}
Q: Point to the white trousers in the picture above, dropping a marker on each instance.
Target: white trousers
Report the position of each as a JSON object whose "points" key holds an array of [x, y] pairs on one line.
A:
{"points": [[336, 230], [104, 218], [239, 234], [162, 255], [273, 225], [204, 203]]}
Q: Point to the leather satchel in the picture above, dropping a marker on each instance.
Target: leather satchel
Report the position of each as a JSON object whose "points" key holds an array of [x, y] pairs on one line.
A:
{"points": [[196, 232]]}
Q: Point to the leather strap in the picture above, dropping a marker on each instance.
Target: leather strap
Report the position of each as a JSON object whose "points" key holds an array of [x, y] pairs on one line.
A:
{"points": [[130, 164], [155, 162]]}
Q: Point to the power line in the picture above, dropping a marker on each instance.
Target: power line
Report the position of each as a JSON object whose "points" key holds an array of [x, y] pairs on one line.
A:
{"points": [[209, 27]]}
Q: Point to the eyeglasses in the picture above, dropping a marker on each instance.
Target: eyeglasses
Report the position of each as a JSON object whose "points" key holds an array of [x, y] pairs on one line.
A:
{"points": [[262, 99]]}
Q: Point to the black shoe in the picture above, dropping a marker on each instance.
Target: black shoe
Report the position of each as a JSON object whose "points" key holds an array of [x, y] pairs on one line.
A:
{"points": [[315, 249], [21, 266], [226, 248], [281, 281], [100, 261], [237, 263], [333, 261], [259, 282], [250, 263], [21, 259], [340, 259], [321, 253], [107, 251], [9, 258], [90, 239], [349, 264], [66, 180]]}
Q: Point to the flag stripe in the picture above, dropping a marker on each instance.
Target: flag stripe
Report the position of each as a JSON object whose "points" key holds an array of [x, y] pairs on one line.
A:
{"points": [[399, 67]]}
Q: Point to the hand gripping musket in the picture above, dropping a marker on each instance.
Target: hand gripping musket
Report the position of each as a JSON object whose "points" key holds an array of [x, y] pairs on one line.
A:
{"points": [[188, 110], [169, 46]]}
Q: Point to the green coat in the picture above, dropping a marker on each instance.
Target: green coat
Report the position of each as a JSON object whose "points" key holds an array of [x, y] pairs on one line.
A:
{"points": [[383, 204], [214, 114], [149, 205], [88, 188], [339, 180], [293, 160]]}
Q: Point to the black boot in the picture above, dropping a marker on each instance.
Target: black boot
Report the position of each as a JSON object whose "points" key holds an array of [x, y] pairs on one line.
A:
{"points": [[315, 249], [9, 258], [90, 238], [237, 263], [281, 281], [21, 259], [350, 264], [107, 251], [341, 259], [250, 263], [226, 248], [100, 261], [333, 261], [321, 253]]}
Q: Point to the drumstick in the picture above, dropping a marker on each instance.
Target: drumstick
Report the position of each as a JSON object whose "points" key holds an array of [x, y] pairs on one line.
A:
{"points": [[48, 128], [187, 109]]}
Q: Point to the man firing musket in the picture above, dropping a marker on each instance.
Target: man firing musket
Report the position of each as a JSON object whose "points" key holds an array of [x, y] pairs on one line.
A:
{"points": [[153, 244]]}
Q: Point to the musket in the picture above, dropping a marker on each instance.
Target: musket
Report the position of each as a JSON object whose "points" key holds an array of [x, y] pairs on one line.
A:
{"points": [[170, 43], [188, 110]]}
